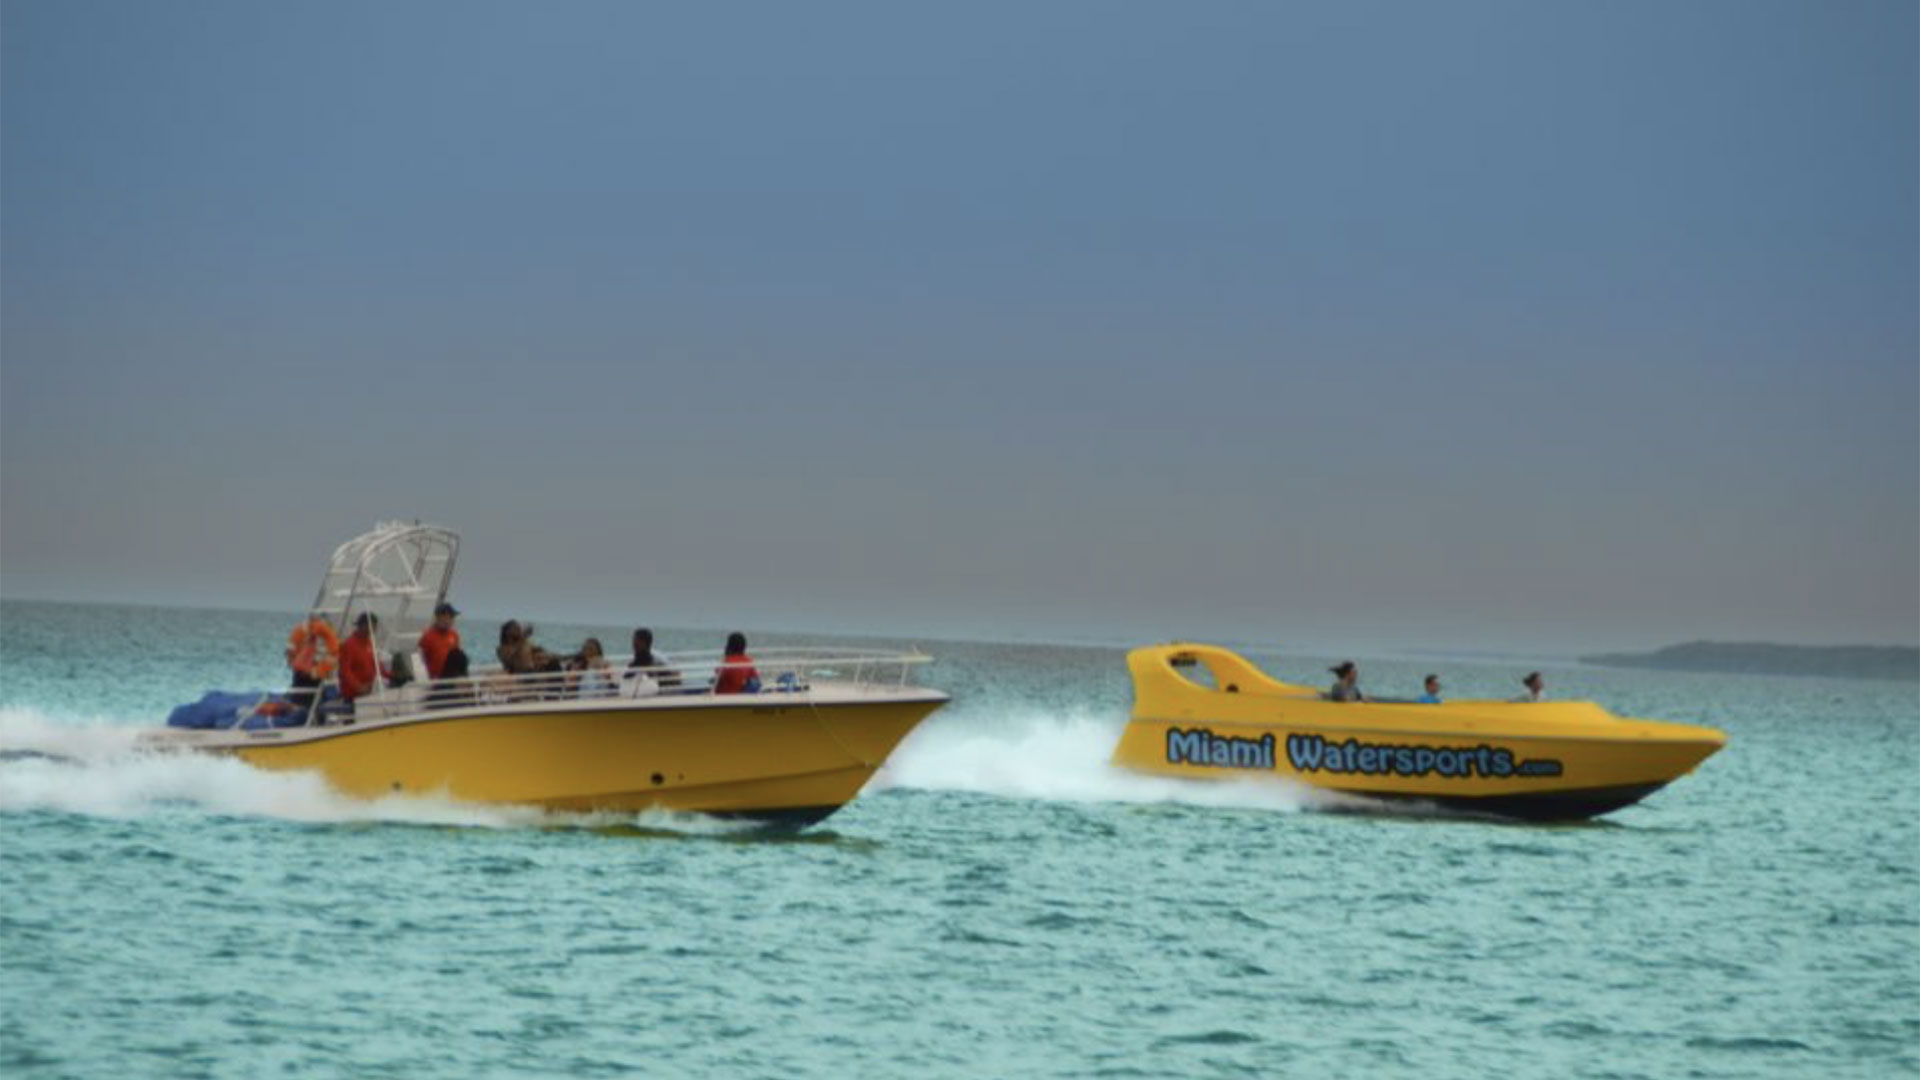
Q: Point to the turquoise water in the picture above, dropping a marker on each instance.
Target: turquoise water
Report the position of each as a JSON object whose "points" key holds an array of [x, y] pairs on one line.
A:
{"points": [[999, 902]]}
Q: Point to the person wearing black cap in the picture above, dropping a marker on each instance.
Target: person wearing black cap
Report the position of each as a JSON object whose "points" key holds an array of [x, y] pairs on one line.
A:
{"points": [[1346, 683], [438, 640], [360, 668]]}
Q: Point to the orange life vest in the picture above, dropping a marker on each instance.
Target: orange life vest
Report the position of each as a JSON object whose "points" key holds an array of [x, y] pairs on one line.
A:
{"points": [[313, 648]]}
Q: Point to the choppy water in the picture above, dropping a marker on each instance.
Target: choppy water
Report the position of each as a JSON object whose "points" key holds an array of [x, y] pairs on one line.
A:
{"points": [[998, 903]]}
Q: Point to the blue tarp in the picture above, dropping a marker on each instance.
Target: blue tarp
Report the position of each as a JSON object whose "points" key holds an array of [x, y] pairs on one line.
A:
{"points": [[221, 709]]}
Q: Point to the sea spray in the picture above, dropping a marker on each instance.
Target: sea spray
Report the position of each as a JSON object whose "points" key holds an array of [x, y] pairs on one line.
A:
{"points": [[1063, 758], [97, 767], [26, 730]]}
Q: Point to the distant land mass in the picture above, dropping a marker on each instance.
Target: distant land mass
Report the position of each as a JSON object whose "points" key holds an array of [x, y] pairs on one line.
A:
{"points": [[1762, 658]]}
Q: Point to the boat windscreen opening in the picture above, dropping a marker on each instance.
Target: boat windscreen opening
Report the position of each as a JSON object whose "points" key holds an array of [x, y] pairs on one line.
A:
{"points": [[1196, 673]]}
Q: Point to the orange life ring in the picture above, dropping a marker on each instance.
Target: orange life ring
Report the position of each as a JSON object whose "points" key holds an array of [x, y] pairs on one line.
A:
{"points": [[313, 647]]}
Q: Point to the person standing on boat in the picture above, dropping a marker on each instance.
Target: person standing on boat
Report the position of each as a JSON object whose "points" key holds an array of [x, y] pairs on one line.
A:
{"points": [[736, 674], [360, 667], [1430, 695], [1536, 689], [1346, 683], [438, 640], [312, 651]]}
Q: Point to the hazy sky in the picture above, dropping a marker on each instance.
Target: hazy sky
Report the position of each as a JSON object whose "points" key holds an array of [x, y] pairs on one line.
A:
{"points": [[1472, 324]]}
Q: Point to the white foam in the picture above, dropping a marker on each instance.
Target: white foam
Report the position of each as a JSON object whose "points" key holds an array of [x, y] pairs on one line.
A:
{"points": [[93, 766], [78, 737], [1064, 759]]}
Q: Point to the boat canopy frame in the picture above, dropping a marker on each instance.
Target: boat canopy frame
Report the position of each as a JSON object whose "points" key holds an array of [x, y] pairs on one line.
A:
{"points": [[399, 573]]}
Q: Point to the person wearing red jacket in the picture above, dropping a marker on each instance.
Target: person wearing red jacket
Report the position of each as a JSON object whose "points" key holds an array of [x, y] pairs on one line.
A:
{"points": [[438, 640], [360, 670], [736, 674]]}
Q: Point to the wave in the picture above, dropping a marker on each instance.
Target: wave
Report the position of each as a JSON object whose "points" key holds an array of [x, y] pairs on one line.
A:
{"points": [[1064, 759]]}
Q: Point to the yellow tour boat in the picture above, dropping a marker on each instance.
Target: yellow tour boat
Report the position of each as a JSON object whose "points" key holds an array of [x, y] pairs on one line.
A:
{"points": [[817, 727], [1540, 761]]}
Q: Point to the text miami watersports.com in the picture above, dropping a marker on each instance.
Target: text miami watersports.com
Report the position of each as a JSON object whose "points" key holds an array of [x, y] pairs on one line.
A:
{"points": [[1315, 753]]}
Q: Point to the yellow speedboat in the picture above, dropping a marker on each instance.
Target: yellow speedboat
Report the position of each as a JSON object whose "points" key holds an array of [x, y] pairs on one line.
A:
{"points": [[1544, 761], [819, 726]]}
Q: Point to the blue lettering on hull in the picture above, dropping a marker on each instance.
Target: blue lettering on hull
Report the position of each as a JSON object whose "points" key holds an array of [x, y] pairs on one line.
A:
{"points": [[1314, 753], [1202, 747]]}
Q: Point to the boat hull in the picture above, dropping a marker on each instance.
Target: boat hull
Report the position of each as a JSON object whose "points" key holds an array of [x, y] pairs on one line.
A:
{"points": [[787, 762], [1529, 761]]}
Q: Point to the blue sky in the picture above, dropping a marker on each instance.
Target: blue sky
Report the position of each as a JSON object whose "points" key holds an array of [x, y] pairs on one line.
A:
{"points": [[1485, 324]]}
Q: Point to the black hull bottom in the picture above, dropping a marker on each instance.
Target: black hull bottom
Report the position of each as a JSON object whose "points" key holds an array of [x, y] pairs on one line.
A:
{"points": [[790, 817], [1542, 806]]}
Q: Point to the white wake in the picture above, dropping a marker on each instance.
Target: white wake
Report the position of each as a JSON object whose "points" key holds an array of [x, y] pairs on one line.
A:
{"points": [[96, 768], [1064, 759]]}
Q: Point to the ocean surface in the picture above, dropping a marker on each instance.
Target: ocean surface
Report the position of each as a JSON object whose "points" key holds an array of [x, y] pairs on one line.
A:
{"points": [[998, 903]]}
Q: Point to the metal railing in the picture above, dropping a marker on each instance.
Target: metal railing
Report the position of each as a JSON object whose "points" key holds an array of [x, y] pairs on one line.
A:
{"points": [[397, 572], [778, 673]]}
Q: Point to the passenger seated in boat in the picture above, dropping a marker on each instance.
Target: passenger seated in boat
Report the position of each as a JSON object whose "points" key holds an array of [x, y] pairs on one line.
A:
{"points": [[399, 669], [1536, 689], [591, 676], [736, 674], [1431, 694], [519, 655], [649, 666], [453, 688], [1346, 683], [522, 659]]}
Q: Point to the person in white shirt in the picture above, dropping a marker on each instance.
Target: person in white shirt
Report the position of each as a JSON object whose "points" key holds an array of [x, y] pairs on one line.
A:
{"points": [[1536, 688], [651, 671]]}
